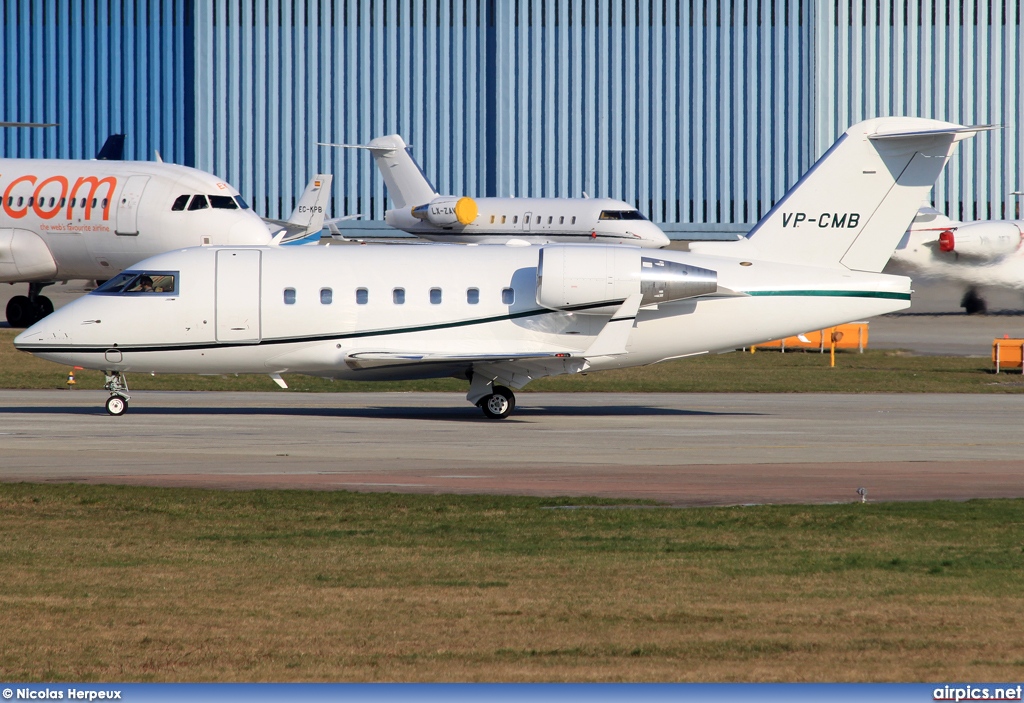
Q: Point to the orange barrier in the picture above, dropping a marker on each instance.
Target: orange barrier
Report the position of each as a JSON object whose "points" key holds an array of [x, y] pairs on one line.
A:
{"points": [[1008, 353], [853, 335]]}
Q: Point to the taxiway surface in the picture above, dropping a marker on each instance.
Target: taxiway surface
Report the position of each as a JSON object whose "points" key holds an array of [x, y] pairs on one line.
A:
{"points": [[686, 449]]}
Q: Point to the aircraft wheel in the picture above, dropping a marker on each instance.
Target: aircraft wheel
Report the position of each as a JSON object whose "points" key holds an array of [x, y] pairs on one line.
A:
{"points": [[44, 306], [19, 311], [973, 303], [499, 404], [117, 405]]}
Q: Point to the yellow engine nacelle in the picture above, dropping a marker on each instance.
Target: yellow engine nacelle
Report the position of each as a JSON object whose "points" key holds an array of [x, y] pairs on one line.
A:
{"points": [[595, 279], [447, 211]]}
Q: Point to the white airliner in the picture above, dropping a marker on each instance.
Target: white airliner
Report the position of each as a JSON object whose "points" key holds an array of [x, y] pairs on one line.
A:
{"points": [[984, 253], [67, 219], [501, 316], [422, 211]]}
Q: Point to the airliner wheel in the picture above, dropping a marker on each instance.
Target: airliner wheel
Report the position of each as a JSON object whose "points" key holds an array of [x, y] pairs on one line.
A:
{"points": [[44, 306], [117, 405], [499, 404], [20, 312]]}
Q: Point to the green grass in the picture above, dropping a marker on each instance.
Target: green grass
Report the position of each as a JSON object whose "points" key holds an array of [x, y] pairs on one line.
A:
{"points": [[765, 371], [129, 583]]}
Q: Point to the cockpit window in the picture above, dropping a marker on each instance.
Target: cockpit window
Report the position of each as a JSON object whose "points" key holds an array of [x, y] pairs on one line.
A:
{"points": [[141, 283], [622, 215], [179, 203], [241, 203], [198, 203], [223, 202]]}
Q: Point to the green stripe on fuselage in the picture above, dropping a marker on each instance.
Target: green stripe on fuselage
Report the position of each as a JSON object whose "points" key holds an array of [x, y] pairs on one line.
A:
{"points": [[832, 294]]}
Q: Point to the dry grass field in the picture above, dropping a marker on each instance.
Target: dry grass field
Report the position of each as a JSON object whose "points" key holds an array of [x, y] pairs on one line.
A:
{"points": [[145, 584]]}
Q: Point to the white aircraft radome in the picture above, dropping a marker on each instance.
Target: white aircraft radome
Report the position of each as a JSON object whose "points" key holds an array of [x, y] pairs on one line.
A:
{"points": [[501, 316], [63, 219], [422, 211], [973, 254]]}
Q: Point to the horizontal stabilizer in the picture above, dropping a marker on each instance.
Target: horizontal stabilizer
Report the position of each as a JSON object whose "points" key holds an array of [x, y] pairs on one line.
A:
{"points": [[961, 132], [407, 185]]}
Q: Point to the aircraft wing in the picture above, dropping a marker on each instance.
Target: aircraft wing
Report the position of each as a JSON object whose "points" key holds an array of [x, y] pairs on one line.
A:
{"points": [[384, 358]]}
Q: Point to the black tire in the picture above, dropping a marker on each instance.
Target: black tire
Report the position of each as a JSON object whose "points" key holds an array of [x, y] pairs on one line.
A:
{"points": [[498, 405], [973, 303], [117, 405], [44, 306], [20, 311]]}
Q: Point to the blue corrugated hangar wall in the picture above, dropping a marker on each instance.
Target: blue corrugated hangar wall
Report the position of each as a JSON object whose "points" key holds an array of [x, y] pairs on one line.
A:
{"points": [[702, 114]]}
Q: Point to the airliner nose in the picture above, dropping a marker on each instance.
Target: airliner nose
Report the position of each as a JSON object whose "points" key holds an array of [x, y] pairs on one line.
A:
{"points": [[48, 331], [250, 231], [656, 236]]}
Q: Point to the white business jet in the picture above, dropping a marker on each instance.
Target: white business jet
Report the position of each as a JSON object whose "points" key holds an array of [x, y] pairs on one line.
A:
{"points": [[63, 219], [501, 316], [974, 254], [422, 211]]}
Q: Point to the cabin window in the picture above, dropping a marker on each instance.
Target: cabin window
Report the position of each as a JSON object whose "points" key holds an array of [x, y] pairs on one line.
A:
{"points": [[223, 202], [538, 220], [362, 296], [574, 219], [52, 200], [21, 200], [62, 201], [508, 296], [29, 203], [398, 296], [502, 219], [241, 203], [515, 219], [289, 296], [10, 201], [326, 296], [435, 296], [81, 203], [94, 202], [179, 203], [104, 203], [198, 203], [492, 219], [472, 296], [550, 219]]}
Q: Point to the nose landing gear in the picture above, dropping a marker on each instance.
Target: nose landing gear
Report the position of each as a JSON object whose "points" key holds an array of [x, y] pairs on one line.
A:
{"points": [[117, 384]]}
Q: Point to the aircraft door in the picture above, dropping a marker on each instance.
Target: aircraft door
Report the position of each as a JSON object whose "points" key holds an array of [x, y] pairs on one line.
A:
{"points": [[526, 221], [128, 205], [238, 295]]}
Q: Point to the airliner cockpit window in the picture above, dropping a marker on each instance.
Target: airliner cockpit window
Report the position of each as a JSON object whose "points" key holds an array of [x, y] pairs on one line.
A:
{"points": [[632, 215], [198, 203], [179, 203], [610, 215], [140, 283], [223, 202], [241, 203]]}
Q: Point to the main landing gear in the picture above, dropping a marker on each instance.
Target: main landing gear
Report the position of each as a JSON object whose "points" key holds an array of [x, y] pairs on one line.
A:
{"points": [[117, 384], [499, 404], [973, 303], [25, 311]]}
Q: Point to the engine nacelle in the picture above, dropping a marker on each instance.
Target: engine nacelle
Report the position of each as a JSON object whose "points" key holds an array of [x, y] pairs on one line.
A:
{"points": [[596, 279], [982, 240], [447, 211], [24, 256]]}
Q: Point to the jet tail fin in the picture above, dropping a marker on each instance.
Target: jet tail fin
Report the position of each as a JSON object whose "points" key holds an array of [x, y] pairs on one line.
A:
{"points": [[112, 149], [853, 206], [311, 209], [407, 185]]}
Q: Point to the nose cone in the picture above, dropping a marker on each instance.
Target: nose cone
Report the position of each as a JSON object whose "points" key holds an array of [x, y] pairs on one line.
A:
{"points": [[653, 237], [250, 230], [47, 333]]}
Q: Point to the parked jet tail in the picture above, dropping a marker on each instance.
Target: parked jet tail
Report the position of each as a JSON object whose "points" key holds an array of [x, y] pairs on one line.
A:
{"points": [[305, 223], [112, 149], [853, 206], [407, 185]]}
